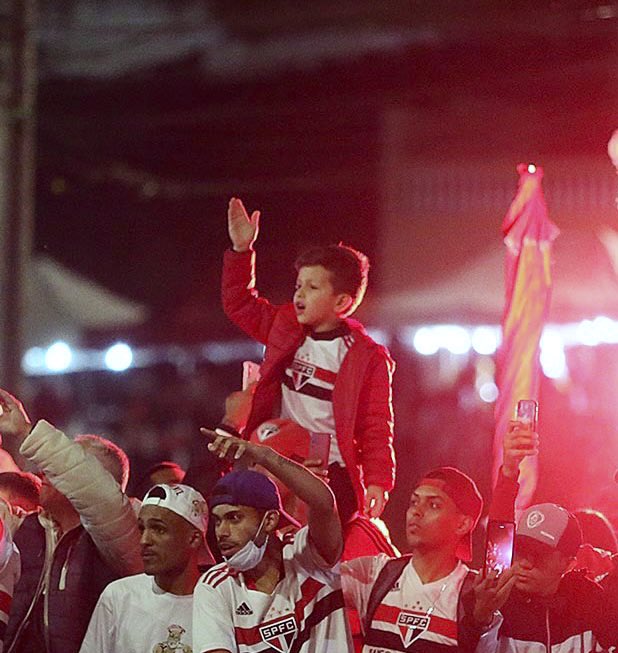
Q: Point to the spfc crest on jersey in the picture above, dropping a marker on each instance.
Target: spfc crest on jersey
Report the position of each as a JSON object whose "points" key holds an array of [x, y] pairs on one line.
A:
{"points": [[411, 626], [302, 373], [279, 634]]}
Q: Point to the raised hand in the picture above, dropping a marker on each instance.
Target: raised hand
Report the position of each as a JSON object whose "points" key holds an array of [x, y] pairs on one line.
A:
{"points": [[14, 420], [519, 442], [490, 594], [243, 229]]}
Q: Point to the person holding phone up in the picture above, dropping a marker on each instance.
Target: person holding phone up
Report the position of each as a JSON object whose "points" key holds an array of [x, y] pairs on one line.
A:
{"points": [[549, 606]]}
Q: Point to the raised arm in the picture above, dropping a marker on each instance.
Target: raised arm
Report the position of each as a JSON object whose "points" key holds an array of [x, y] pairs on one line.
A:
{"points": [[519, 442], [105, 511], [241, 302], [323, 522]]}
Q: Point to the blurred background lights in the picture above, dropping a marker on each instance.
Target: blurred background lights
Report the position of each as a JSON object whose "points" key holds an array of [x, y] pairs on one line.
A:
{"points": [[34, 359], [488, 392], [553, 359], [118, 357], [485, 340], [454, 338], [531, 168], [426, 341], [58, 357]]}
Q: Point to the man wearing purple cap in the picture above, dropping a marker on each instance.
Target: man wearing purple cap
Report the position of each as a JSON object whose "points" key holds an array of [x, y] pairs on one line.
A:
{"points": [[152, 612], [550, 608], [429, 601], [270, 594]]}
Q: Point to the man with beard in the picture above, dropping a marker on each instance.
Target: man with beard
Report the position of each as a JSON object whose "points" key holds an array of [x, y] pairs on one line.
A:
{"points": [[153, 611]]}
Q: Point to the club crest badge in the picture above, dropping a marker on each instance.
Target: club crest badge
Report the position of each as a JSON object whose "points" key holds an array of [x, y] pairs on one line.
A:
{"points": [[302, 373], [535, 518], [279, 634], [267, 430], [411, 626]]}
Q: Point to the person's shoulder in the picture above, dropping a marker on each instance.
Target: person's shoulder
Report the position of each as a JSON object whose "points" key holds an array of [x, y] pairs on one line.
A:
{"points": [[128, 584], [216, 576], [360, 338]]}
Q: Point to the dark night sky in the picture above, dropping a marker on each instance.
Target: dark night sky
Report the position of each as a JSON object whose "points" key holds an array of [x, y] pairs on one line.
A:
{"points": [[303, 146]]}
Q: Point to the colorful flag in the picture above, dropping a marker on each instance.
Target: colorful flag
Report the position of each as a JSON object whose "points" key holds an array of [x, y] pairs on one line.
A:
{"points": [[528, 236]]}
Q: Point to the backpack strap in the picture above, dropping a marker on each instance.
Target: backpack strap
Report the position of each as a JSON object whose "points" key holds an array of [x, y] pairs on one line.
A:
{"points": [[383, 583]]}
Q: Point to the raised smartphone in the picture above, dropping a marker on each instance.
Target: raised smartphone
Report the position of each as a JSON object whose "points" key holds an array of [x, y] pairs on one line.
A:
{"points": [[527, 412], [499, 546]]}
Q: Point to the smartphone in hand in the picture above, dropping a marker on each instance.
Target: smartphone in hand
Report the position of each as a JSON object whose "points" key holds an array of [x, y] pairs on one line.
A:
{"points": [[319, 447], [499, 546], [527, 413]]}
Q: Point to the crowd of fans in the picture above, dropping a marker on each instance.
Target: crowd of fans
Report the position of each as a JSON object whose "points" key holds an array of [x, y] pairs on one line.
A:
{"points": [[264, 545]]}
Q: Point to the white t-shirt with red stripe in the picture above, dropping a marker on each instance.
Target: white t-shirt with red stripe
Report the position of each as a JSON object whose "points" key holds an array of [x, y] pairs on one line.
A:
{"points": [[10, 571], [304, 614], [308, 382], [412, 611]]}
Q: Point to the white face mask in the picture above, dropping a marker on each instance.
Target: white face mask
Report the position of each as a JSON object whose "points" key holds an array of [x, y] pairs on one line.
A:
{"points": [[250, 555]]}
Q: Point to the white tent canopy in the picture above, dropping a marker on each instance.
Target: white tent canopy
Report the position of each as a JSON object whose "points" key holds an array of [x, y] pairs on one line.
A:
{"points": [[61, 305], [585, 285]]}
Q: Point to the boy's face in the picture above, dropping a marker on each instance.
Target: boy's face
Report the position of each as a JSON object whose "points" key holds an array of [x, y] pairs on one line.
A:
{"points": [[315, 301]]}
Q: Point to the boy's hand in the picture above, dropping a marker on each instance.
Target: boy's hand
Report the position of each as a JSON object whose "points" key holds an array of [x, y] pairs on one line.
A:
{"points": [[519, 442], [238, 407], [14, 420], [243, 229], [375, 501]]}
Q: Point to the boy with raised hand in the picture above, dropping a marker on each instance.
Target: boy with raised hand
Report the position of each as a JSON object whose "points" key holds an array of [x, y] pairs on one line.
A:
{"points": [[320, 368], [270, 593]]}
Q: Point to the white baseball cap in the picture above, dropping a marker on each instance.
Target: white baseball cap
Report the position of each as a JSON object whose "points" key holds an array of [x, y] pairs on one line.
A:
{"points": [[181, 499]]}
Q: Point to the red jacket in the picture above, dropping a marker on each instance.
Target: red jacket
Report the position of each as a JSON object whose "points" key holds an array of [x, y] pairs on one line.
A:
{"points": [[362, 404]]}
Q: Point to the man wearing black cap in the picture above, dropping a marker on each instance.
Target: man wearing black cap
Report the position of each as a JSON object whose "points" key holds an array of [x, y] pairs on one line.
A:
{"points": [[270, 594], [429, 601], [550, 608]]}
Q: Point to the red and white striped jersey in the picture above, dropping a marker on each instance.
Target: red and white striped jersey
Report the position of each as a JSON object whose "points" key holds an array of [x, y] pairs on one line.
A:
{"points": [[413, 616], [304, 614], [308, 382]]}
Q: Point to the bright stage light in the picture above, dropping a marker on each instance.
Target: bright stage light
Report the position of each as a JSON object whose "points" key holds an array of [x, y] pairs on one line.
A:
{"points": [[553, 359], [425, 341], [488, 392], [531, 168], [454, 338], [58, 357], [118, 357], [485, 340], [34, 359]]}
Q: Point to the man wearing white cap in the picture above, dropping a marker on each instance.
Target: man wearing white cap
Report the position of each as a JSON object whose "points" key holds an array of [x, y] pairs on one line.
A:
{"points": [[152, 612]]}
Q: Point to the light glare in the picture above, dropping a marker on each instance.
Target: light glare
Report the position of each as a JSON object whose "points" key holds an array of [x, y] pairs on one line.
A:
{"points": [[58, 357], [118, 357]]}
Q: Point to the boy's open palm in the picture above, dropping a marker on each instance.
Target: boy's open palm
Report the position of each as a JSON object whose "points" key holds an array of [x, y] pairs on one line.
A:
{"points": [[243, 229]]}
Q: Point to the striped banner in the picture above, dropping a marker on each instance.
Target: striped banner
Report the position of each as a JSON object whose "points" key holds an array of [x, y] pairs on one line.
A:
{"points": [[528, 236]]}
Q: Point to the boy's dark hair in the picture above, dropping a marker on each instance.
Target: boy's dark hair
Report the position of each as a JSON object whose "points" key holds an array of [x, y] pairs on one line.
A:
{"points": [[21, 484], [349, 269]]}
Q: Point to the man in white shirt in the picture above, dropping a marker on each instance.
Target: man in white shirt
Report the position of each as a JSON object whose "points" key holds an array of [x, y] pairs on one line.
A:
{"points": [[270, 594], [152, 612], [432, 601]]}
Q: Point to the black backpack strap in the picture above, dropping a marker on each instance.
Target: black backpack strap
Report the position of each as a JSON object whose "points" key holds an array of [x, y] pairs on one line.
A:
{"points": [[383, 583]]}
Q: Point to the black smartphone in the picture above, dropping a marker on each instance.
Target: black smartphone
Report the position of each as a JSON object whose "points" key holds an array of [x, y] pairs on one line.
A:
{"points": [[499, 546], [528, 412]]}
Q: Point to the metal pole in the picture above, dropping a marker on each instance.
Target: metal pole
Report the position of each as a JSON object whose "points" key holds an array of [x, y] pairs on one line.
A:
{"points": [[17, 172]]}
